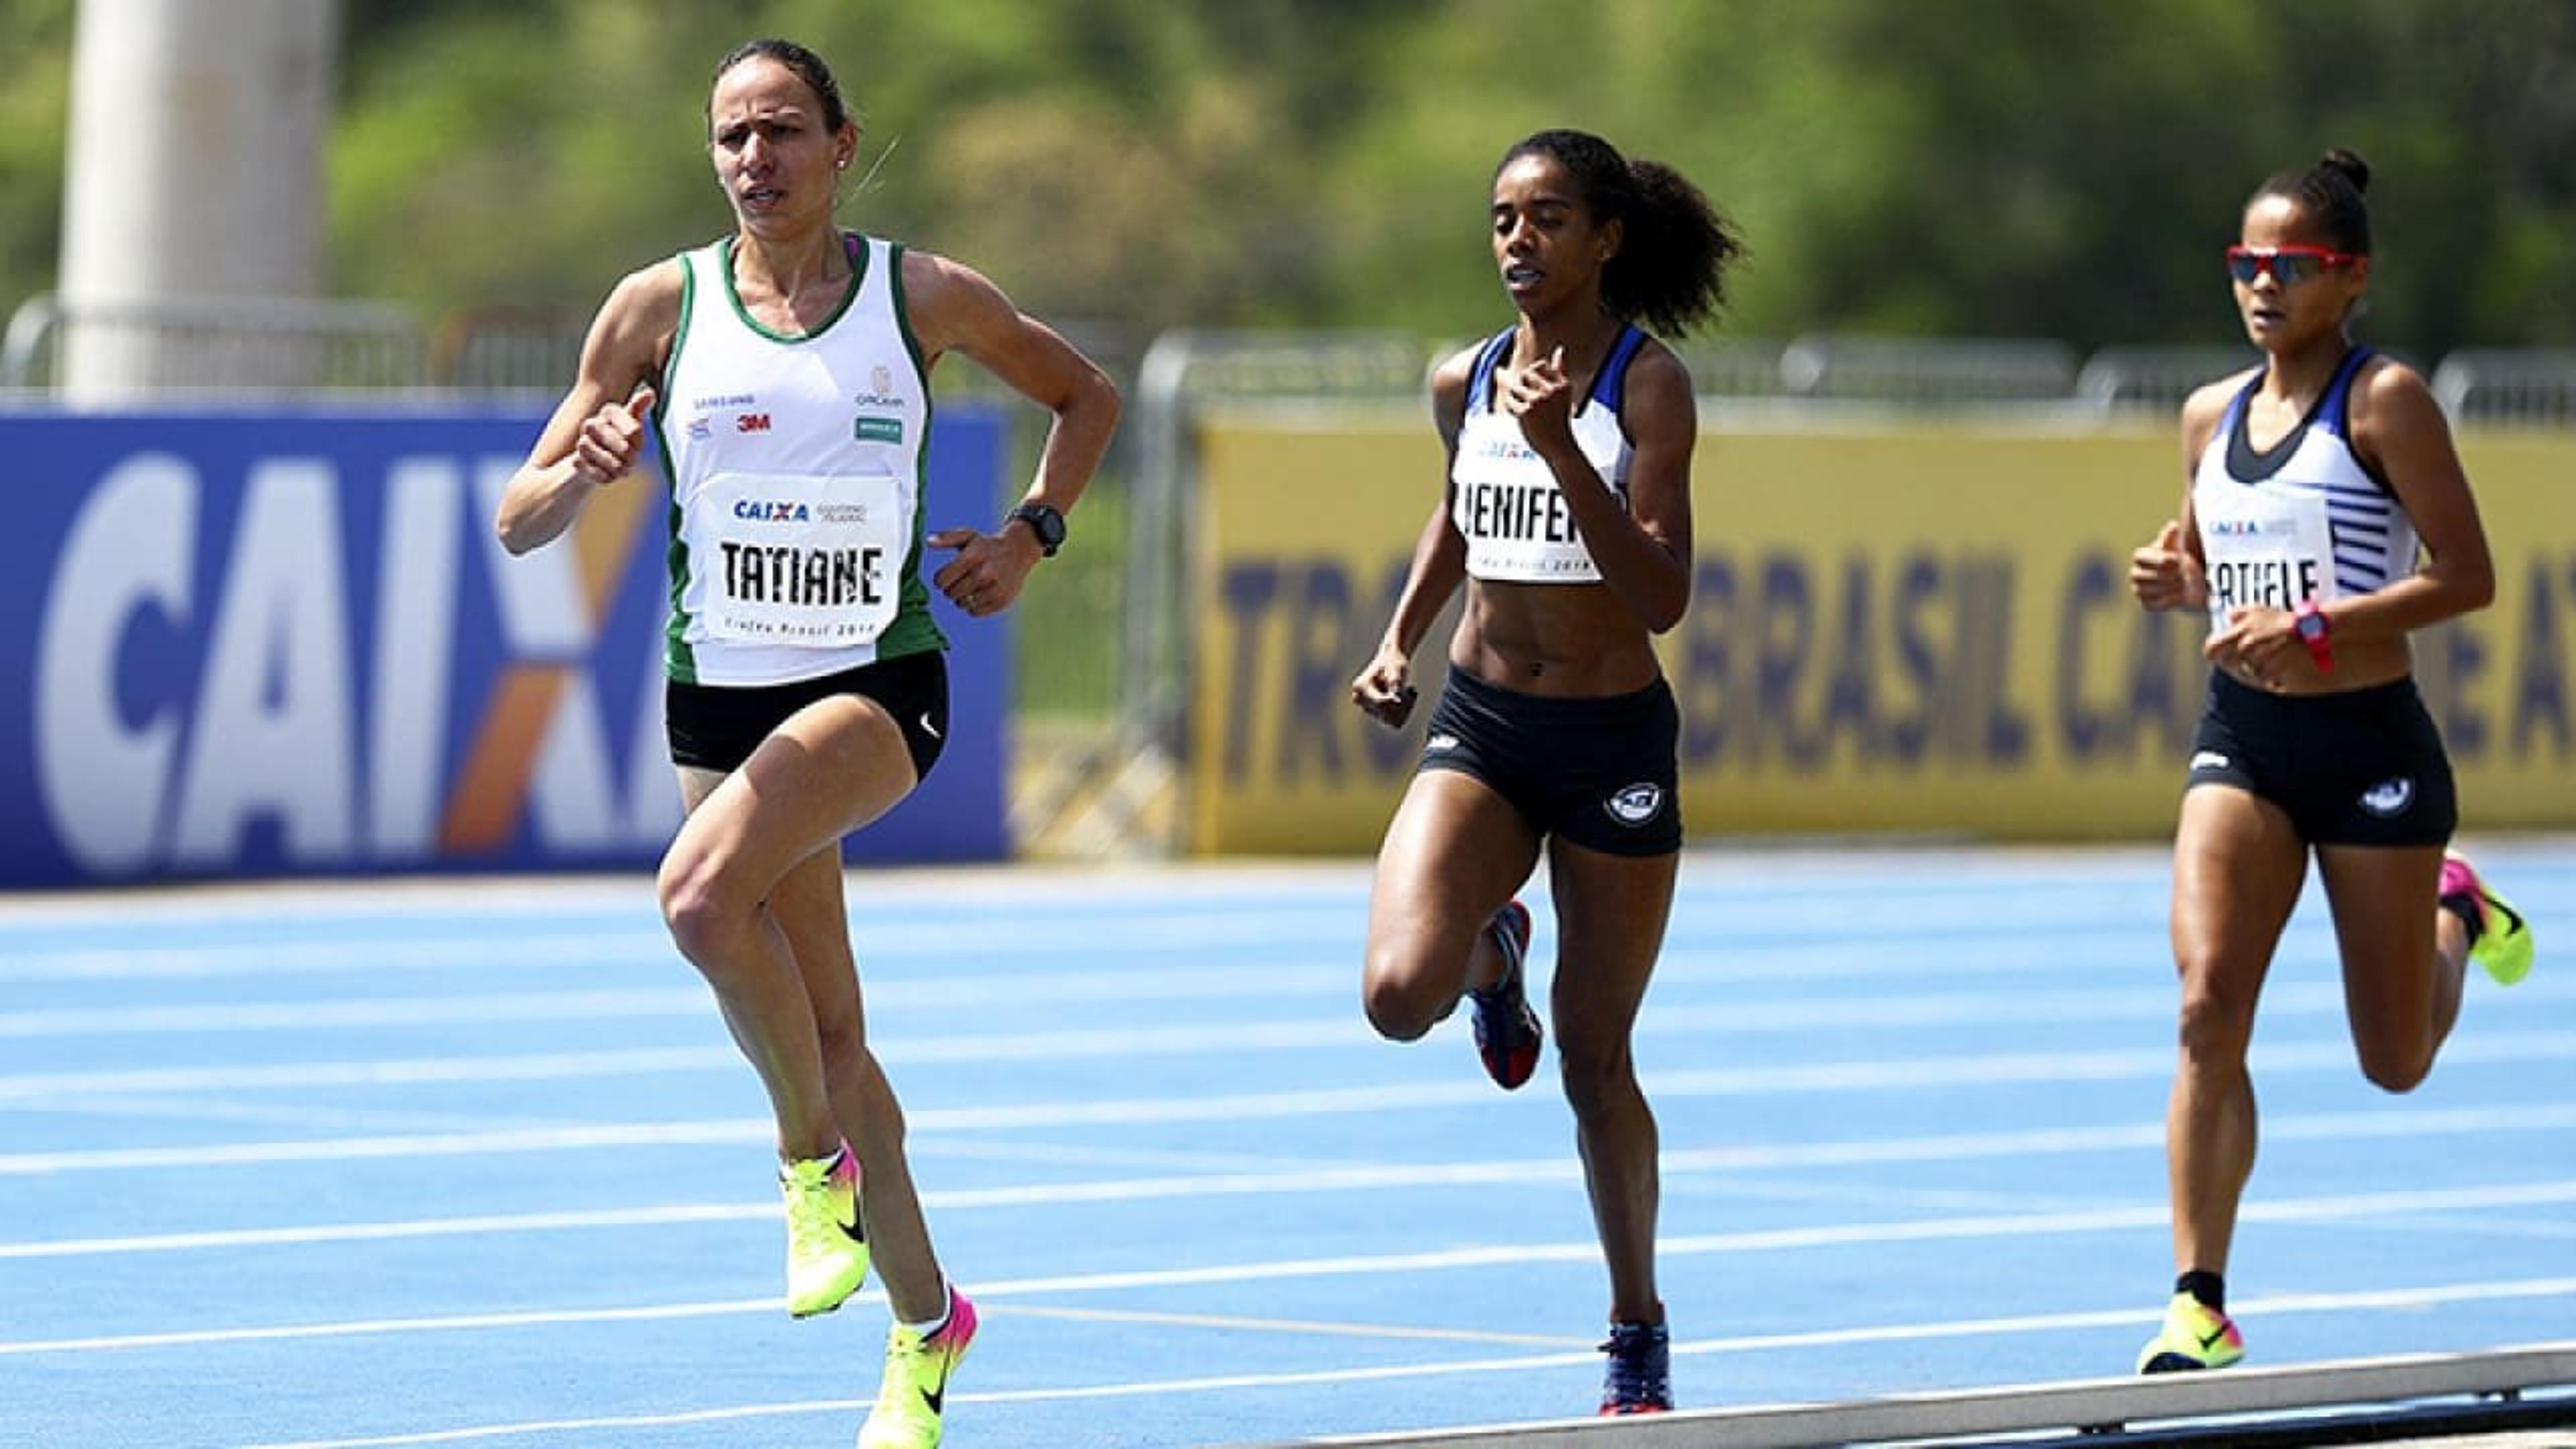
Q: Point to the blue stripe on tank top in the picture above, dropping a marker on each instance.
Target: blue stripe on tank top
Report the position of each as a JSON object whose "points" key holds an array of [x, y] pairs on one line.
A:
{"points": [[1610, 385], [1480, 385]]}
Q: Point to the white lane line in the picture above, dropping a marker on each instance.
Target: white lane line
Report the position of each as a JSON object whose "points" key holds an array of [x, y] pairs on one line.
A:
{"points": [[1177, 1039], [2328, 1208], [1563, 1171], [1955, 913], [680, 995], [1976, 1072], [2043, 1323], [908, 978]]}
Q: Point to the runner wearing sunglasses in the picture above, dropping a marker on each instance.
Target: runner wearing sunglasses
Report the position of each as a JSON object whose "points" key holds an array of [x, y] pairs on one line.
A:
{"points": [[2326, 518]]}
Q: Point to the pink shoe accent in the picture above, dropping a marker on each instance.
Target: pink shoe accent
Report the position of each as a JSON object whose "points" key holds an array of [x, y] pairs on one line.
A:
{"points": [[959, 1330], [2460, 881]]}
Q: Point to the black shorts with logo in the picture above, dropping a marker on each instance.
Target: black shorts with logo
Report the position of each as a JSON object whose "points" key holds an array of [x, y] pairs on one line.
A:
{"points": [[2361, 768], [717, 726], [1599, 772]]}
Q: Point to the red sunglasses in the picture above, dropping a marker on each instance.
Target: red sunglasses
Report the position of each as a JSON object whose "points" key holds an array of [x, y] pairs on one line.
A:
{"points": [[2289, 266]]}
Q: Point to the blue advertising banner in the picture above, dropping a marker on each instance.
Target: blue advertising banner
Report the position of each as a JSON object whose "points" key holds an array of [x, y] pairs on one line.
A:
{"points": [[289, 644]]}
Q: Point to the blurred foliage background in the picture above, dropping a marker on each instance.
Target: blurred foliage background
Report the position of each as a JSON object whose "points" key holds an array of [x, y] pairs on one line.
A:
{"points": [[2042, 168]]}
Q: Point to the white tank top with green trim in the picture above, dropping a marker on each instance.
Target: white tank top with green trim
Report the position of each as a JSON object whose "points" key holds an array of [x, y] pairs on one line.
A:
{"points": [[796, 481]]}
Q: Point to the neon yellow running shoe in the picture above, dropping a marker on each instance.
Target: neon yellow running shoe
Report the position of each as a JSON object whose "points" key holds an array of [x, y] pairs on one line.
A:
{"points": [[827, 1247], [2195, 1336], [2503, 944], [915, 1390]]}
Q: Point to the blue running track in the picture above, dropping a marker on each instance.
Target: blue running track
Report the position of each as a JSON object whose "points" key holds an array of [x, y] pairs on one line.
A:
{"points": [[473, 1162]]}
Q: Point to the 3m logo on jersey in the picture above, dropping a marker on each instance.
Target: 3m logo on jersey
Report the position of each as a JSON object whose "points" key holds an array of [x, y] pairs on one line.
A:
{"points": [[751, 423]]}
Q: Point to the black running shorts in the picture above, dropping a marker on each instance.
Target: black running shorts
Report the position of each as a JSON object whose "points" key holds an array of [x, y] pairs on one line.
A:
{"points": [[716, 727], [1600, 772], [2364, 767]]}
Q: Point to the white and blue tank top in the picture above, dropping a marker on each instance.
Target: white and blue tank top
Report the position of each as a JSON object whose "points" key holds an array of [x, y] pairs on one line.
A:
{"points": [[1504, 500], [2302, 519]]}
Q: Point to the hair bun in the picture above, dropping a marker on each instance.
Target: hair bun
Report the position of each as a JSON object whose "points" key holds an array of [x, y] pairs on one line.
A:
{"points": [[2354, 169]]}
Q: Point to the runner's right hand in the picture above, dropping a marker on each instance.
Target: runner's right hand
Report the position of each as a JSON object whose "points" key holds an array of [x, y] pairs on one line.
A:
{"points": [[611, 439], [1384, 691]]}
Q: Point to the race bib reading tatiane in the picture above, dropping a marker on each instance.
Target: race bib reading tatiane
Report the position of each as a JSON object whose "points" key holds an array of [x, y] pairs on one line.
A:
{"points": [[793, 559]]}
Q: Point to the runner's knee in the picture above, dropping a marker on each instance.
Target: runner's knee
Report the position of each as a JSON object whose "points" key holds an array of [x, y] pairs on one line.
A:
{"points": [[2217, 1021], [1398, 997], [1597, 1075], [2396, 1066], [704, 913]]}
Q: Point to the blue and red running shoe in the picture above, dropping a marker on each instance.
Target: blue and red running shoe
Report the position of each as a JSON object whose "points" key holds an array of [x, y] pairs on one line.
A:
{"points": [[1640, 1377], [1507, 1031]]}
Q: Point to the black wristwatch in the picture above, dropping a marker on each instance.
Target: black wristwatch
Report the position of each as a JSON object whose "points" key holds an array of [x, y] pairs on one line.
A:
{"points": [[1043, 521]]}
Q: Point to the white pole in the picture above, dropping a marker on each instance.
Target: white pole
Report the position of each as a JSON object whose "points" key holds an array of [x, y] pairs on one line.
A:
{"points": [[194, 170]]}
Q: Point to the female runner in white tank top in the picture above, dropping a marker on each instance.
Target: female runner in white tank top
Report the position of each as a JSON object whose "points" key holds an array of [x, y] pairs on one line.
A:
{"points": [[2315, 480], [1566, 512], [786, 369]]}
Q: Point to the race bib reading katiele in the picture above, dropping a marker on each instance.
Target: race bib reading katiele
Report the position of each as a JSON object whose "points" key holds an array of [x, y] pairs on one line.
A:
{"points": [[2268, 552]]}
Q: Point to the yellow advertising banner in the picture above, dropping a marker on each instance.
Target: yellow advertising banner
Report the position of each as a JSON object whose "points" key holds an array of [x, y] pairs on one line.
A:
{"points": [[1919, 630]]}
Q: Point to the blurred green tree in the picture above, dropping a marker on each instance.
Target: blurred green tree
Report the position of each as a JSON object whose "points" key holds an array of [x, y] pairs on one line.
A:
{"points": [[2055, 168]]}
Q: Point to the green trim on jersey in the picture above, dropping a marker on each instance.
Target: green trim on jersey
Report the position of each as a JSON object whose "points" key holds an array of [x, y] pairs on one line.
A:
{"points": [[913, 630], [903, 317], [733, 294], [678, 659]]}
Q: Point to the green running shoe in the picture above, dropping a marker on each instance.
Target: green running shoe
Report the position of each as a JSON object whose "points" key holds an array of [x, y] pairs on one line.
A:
{"points": [[2195, 1336], [2503, 944], [915, 1391], [827, 1248]]}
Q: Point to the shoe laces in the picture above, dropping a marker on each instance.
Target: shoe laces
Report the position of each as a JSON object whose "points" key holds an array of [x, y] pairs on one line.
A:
{"points": [[810, 1215], [1640, 1370]]}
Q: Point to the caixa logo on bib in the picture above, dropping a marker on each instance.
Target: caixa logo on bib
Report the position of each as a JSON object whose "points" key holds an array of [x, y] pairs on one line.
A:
{"points": [[1636, 804]]}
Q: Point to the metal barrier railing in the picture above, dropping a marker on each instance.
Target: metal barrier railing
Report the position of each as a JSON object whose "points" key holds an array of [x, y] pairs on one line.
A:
{"points": [[239, 346], [1928, 370], [2131, 380], [2518, 387]]}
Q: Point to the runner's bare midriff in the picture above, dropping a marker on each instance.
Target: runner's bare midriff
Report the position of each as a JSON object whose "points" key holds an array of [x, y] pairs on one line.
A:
{"points": [[1569, 640]]}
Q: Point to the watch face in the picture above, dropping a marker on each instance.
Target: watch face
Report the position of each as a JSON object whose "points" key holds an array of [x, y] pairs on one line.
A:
{"points": [[2312, 626]]}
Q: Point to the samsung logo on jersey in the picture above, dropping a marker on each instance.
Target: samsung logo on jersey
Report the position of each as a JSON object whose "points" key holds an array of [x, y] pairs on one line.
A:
{"points": [[755, 510]]}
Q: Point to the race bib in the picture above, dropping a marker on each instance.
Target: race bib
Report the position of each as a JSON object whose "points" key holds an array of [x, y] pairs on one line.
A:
{"points": [[2269, 551], [797, 560]]}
